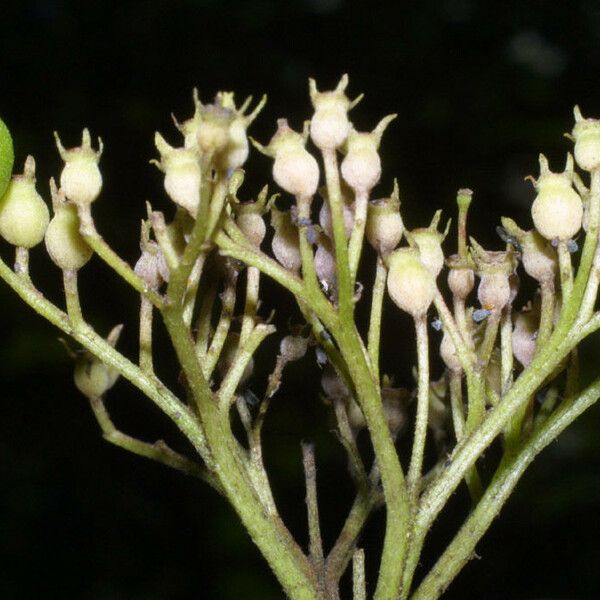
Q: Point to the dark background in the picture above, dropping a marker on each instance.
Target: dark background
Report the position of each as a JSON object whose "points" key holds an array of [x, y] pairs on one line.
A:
{"points": [[480, 88]]}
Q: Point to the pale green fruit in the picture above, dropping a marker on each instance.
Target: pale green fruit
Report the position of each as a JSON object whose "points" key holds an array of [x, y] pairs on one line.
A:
{"points": [[93, 378], [66, 247], [24, 215], [410, 284]]}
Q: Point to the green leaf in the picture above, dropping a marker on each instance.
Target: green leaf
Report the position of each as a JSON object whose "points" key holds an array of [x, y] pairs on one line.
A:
{"points": [[7, 157]]}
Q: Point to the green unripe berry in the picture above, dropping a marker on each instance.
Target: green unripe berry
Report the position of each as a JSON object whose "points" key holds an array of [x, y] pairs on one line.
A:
{"points": [[92, 377], [410, 284], [7, 157], [66, 246], [24, 215]]}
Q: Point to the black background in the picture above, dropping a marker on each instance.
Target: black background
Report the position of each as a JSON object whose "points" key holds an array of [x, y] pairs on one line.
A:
{"points": [[480, 89]]}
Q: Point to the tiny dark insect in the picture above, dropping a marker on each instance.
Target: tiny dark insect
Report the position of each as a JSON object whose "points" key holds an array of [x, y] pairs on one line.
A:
{"points": [[321, 356], [324, 335], [507, 238], [311, 234], [251, 398], [481, 314]]}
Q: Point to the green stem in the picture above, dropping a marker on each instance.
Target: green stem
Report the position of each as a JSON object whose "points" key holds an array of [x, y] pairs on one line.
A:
{"points": [[359, 587], [242, 358], [336, 207], [95, 241], [312, 508], [309, 274], [461, 549], [546, 313], [178, 412], [378, 295], [420, 435], [72, 298], [366, 500], [506, 351], [456, 404], [158, 451], [361, 205], [466, 454], [285, 558], [250, 303], [146, 318], [566, 270], [392, 477]]}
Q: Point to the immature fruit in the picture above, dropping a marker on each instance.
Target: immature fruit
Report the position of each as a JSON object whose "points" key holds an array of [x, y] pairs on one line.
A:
{"points": [[410, 284], [557, 210], [384, 224], [285, 243], [586, 134], [448, 354], [293, 347], [81, 179], [24, 215], [183, 175], [66, 247], [93, 378], [538, 257], [294, 168], [461, 277], [494, 269], [329, 126], [524, 336]]}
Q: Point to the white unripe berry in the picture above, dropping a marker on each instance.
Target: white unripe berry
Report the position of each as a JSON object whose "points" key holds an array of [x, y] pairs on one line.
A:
{"points": [[524, 336], [361, 167], [448, 354], [219, 130], [249, 215], [586, 134], [253, 226], [325, 266], [92, 377], [325, 218], [329, 126], [384, 226], [285, 243], [293, 347], [410, 284], [461, 277], [557, 210], [183, 176], [429, 243], [294, 168], [494, 269], [537, 254], [81, 180], [24, 215]]}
